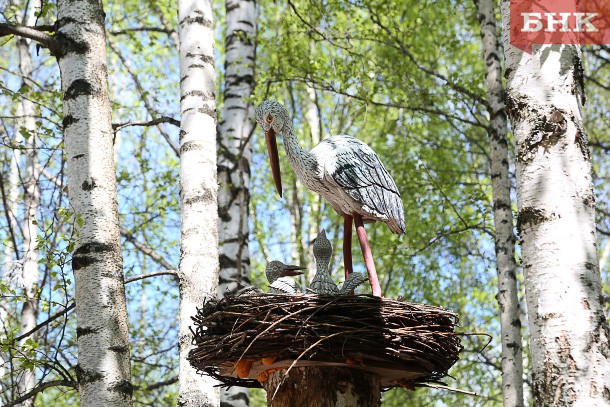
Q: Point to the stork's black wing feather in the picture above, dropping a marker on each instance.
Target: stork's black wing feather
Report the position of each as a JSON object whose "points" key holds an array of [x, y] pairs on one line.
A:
{"points": [[361, 174]]}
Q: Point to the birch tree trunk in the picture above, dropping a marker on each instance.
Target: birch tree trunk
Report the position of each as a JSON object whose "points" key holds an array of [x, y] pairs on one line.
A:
{"points": [[103, 369], [9, 263], [10, 252], [234, 147], [312, 117], [234, 156], [198, 271], [569, 331], [29, 312], [506, 266]]}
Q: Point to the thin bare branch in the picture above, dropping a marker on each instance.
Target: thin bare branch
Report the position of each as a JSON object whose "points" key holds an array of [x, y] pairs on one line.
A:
{"points": [[142, 29], [39, 389], [146, 250], [164, 383], [42, 170], [405, 51], [154, 122], [327, 86], [600, 145], [144, 97], [45, 323], [158, 273], [597, 82]]}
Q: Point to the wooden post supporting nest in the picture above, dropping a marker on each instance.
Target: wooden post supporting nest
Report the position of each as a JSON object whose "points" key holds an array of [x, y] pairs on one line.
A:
{"points": [[323, 387]]}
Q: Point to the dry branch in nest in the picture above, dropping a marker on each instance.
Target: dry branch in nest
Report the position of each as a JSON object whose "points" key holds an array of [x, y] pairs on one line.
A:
{"points": [[240, 340]]}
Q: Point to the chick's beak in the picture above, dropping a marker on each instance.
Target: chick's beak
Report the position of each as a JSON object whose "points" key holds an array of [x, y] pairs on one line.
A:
{"points": [[274, 159], [291, 270]]}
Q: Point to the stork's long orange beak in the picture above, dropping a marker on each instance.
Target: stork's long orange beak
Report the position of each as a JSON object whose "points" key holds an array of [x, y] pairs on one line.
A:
{"points": [[274, 158]]}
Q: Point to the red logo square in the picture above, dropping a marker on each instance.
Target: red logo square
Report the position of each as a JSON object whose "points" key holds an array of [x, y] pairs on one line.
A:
{"points": [[559, 22]]}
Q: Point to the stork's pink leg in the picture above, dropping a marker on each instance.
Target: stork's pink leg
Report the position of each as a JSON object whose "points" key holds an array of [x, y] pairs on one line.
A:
{"points": [[347, 245], [368, 255]]}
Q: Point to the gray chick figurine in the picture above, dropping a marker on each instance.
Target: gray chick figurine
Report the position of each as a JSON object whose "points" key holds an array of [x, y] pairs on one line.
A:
{"points": [[280, 277], [322, 283], [322, 252]]}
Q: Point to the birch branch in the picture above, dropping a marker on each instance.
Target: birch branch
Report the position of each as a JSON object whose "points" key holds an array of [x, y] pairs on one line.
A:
{"points": [[39, 389], [327, 86], [143, 96], [143, 29], [36, 33], [173, 273], [146, 250], [45, 323], [154, 122], [9, 217], [164, 383], [42, 170]]}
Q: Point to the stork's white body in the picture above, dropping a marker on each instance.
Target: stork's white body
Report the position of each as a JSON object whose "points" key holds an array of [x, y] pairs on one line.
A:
{"points": [[349, 175]]}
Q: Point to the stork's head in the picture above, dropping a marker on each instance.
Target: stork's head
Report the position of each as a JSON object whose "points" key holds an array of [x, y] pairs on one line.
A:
{"points": [[271, 115], [276, 269], [273, 118], [322, 249]]}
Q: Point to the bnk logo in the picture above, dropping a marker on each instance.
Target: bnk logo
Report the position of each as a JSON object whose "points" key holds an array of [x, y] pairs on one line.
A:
{"points": [[559, 22]]}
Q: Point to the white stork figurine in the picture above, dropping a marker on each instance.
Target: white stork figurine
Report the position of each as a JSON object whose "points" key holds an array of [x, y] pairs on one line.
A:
{"points": [[346, 172]]}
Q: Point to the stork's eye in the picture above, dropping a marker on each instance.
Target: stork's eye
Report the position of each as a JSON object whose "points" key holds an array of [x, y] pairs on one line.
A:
{"points": [[269, 119]]}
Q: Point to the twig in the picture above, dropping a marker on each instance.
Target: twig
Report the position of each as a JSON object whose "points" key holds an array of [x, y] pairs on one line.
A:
{"points": [[44, 323], [42, 170], [158, 273], [440, 386], [146, 250], [143, 94], [139, 29], [311, 347], [323, 329], [40, 388], [154, 122], [162, 384]]}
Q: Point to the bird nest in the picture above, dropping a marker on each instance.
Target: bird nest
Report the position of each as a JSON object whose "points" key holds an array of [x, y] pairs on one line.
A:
{"points": [[239, 340]]}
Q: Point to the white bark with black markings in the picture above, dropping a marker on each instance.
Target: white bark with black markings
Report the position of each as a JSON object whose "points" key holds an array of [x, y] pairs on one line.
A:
{"points": [[569, 331], [234, 147], [102, 325], [234, 156], [198, 271], [31, 198], [504, 238]]}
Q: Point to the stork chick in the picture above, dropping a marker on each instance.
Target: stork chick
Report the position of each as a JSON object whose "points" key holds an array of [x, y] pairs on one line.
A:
{"points": [[322, 283], [280, 277], [322, 252]]}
